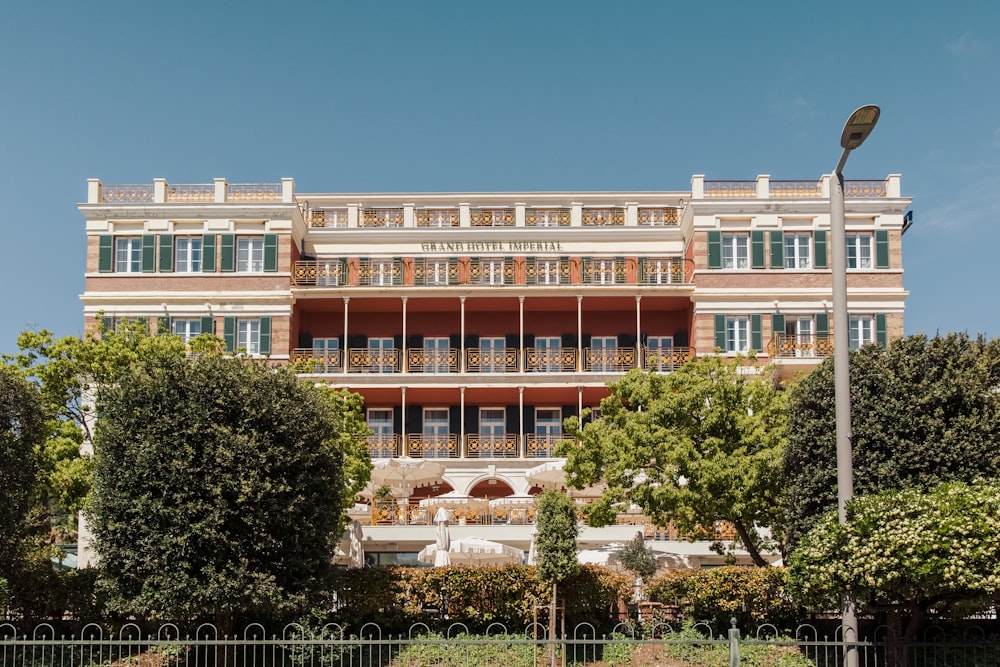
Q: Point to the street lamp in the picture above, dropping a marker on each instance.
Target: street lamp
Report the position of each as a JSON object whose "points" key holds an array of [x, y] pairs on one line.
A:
{"points": [[856, 130]]}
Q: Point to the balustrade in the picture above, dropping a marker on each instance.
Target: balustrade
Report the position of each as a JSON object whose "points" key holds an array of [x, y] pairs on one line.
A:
{"points": [[384, 445], [432, 360], [481, 446], [491, 360], [443, 446], [790, 346]]}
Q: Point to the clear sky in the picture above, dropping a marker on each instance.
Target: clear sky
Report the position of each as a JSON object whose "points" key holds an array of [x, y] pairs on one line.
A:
{"points": [[495, 96]]}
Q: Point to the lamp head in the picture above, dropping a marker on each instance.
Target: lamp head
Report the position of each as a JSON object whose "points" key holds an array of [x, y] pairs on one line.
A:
{"points": [[859, 126]]}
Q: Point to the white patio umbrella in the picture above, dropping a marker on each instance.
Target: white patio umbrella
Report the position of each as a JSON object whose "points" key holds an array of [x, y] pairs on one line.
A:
{"points": [[547, 475], [442, 541], [356, 557], [405, 473], [474, 551], [532, 550]]}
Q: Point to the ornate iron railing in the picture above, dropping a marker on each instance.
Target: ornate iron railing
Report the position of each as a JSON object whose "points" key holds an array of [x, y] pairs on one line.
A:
{"points": [[384, 445], [665, 270], [604, 271], [547, 217], [382, 217], [373, 360], [492, 217], [551, 271], [608, 360], [127, 194], [730, 189], [603, 217], [422, 360], [549, 360], [380, 272], [667, 216], [491, 360], [491, 271], [191, 192], [864, 189], [328, 217], [321, 273], [423, 446], [253, 192], [491, 446], [791, 346], [435, 272], [666, 359], [437, 217], [319, 360], [795, 189], [541, 446]]}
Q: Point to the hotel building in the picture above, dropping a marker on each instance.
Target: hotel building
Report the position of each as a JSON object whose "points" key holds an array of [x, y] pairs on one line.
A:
{"points": [[474, 323]]}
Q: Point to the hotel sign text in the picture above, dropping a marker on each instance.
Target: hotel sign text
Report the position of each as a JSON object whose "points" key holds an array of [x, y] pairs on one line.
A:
{"points": [[493, 246]]}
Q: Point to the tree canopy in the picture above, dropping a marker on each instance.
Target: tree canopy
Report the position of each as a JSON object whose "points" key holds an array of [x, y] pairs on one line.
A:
{"points": [[218, 488], [924, 411], [556, 540], [906, 552], [22, 429], [700, 445]]}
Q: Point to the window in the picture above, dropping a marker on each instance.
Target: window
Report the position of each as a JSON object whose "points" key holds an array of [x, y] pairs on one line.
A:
{"points": [[492, 271], [128, 254], [435, 432], [248, 336], [735, 251], [186, 329], [548, 351], [492, 354], [737, 334], [859, 251], [603, 353], [798, 251], [659, 353], [250, 254], [547, 271], [862, 331], [382, 444], [800, 330], [187, 257], [436, 353], [548, 422], [492, 424], [381, 355]]}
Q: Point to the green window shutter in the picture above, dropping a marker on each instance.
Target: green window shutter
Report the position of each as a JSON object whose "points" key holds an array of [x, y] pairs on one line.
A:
{"points": [[265, 336], [777, 250], [208, 253], [162, 325], [208, 324], [720, 331], [166, 253], [881, 249], [229, 333], [757, 249], [397, 276], [756, 335], [881, 336], [270, 252], [777, 324], [819, 249], [106, 254], [148, 253], [715, 250], [822, 324], [107, 324], [227, 259]]}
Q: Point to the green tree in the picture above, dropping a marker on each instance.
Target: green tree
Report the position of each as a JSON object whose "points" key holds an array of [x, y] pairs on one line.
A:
{"points": [[700, 445], [352, 439], [22, 428], [906, 552], [217, 490], [555, 521], [924, 412]]}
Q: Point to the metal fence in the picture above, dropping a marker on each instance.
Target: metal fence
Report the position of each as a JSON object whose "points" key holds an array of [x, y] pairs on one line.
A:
{"points": [[368, 646]]}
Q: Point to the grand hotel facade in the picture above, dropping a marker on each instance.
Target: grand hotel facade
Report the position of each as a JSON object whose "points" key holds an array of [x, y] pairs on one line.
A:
{"points": [[474, 323]]}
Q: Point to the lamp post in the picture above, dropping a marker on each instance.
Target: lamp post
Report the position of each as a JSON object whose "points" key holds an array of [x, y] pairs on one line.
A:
{"points": [[856, 130]]}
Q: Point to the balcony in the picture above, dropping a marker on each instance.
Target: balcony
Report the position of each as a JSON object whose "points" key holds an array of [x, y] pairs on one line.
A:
{"points": [[380, 272], [444, 446], [547, 217], [384, 445], [487, 271], [730, 189], [604, 272], [541, 446], [799, 346], [535, 359], [505, 446], [659, 217], [447, 217], [192, 192], [384, 218], [603, 217], [435, 272], [329, 273], [491, 217], [127, 194], [550, 271], [665, 270], [328, 217], [796, 189]]}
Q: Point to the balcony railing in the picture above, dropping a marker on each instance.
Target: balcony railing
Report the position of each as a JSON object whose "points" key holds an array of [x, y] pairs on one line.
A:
{"points": [[380, 272], [730, 189], [384, 445], [549, 359], [604, 271], [382, 217], [665, 270], [478, 446], [665, 359], [795, 189], [797, 346], [253, 192], [422, 360], [127, 194], [191, 192], [441, 217], [603, 217], [547, 272], [491, 360], [373, 360], [536, 360], [445, 446], [329, 273], [328, 217], [540, 446], [492, 217], [435, 272], [547, 217], [657, 217], [486, 271], [864, 189]]}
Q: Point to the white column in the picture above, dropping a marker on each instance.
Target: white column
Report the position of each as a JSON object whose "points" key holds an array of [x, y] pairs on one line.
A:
{"points": [[520, 421], [402, 364], [405, 446], [345, 350], [579, 334], [461, 362], [462, 450], [638, 332], [520, 327]]}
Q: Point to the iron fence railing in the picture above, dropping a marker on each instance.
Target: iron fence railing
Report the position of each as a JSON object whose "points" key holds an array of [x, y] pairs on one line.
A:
{"points": [[436, 641]]}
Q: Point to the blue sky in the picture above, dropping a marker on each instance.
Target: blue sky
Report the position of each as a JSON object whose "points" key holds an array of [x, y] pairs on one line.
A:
{"points": [[454, 96]]}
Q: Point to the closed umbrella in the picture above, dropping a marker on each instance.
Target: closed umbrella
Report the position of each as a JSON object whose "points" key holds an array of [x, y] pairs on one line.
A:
{"points": [[356, 558], [532, 550], [442, 541]]}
